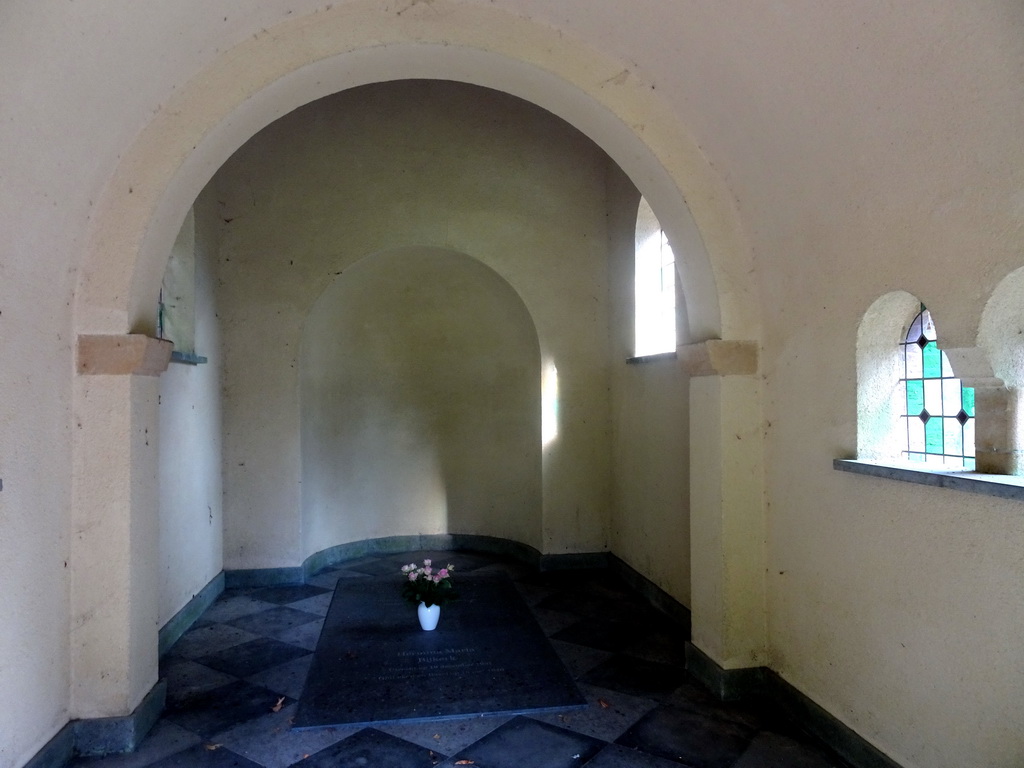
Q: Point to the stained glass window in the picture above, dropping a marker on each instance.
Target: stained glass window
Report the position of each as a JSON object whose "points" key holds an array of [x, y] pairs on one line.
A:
{"points": [[939, 415]]}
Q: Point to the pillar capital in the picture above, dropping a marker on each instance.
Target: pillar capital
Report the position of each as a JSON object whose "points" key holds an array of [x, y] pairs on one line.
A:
{"points": [[122, 355], [719, 357]]}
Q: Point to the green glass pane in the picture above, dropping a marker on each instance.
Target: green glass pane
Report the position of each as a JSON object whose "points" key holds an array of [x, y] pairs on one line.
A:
{"points": [[933, 436], [915, 397], [932, 361], [968, 400]]}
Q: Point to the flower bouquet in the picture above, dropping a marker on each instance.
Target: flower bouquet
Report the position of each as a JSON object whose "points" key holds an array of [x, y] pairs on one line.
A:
{"points": [[426, 585]]}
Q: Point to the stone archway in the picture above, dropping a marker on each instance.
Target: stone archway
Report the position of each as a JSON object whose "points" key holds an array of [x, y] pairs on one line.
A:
{"points": [[114, 644]]}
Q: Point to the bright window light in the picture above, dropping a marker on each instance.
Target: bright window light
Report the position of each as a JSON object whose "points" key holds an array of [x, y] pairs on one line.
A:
{"points": [[655, 285], [549, 404]]}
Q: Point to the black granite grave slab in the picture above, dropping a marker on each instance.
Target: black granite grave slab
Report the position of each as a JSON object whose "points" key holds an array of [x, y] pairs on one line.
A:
{"points": [[374, 664]]}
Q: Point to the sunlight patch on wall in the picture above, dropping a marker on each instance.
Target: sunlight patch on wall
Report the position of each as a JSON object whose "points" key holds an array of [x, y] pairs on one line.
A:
{"points": [[549, 403]]}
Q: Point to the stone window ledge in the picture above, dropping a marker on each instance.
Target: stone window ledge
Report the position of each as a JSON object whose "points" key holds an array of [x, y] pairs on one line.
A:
{"points": [[1000, 486]]}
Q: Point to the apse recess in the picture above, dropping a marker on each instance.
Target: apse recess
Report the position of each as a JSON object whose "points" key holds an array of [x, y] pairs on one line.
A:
{"points": [[420, 391]]}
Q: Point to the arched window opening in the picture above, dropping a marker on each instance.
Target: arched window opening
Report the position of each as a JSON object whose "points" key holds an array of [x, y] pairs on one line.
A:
{"points": [[655, 286], [939, 410]]}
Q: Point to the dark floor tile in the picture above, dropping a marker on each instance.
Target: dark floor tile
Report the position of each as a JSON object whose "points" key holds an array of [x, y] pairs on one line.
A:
{"points": [[579, 603], [286, 679], [233, 607], [636, 677], [318, 604], [273, 743], [205, 756], [579, 659], [665, 643], [553, 622], [304, 636], [209, 639], [274, 621], [370, 747], [688, 737], [329, 577], [186, 678], [286, 594], [607, 716], [211, 712], [533, 592], [752, 714], [525, 742], [252, 657], [771, 750], [608, 635], [513, 568], [445, 736], [616, 756]]}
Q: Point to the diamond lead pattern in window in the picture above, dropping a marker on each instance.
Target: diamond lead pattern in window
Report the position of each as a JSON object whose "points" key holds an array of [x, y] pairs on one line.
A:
{"points": [[939, 415]]}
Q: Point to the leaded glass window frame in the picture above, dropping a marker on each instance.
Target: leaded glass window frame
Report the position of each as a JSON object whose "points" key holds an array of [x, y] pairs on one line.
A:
{"points": [[938, 411]]}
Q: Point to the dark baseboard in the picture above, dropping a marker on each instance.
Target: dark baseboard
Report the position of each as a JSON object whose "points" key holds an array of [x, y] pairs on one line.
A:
{"points": [[652, 593], [103, 735], [112, 735], [58, 751], [763, 683], [573, 561], [726, 684], [387, 545], [845, 741], [186, 617], [245, 578]]}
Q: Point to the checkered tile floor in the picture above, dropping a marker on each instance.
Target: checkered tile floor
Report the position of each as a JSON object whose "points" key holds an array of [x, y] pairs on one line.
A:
{"points": [[235, 677]]}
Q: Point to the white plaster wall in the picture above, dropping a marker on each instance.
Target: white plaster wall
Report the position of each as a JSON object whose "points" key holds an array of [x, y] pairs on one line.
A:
{"points": [[888, 158], [191, 492], [859, 141], [650, 425], [409, 164], [421, 403]]}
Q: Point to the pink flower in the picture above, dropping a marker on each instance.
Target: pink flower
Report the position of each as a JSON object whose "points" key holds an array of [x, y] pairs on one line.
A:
{"points": [[443, 573], [436, 579], [412, 577], [426, 563], [427, 570]]}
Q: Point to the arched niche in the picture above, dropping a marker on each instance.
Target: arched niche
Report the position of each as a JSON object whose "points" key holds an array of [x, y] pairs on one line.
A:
{"points": [[421, 403], [1000, 337], [878, 373]]}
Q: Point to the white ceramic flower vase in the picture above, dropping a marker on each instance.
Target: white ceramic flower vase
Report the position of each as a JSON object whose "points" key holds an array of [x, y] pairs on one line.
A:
{"points": [[428, 616]]}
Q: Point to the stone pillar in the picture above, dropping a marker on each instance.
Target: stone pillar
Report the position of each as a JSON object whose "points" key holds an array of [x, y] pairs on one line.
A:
{"points": [[114, 524], [995, 448], [727, 521]]}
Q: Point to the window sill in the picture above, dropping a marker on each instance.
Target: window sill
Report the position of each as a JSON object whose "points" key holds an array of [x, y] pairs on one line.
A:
{"points": [[651, 358], [1000, 486], [187, 358]]}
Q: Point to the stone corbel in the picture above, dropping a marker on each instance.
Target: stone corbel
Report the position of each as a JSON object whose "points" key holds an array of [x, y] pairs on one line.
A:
{"points": [[717, 357], [127, 355]]}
